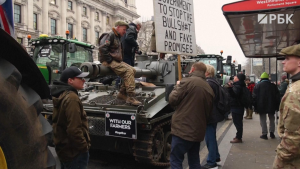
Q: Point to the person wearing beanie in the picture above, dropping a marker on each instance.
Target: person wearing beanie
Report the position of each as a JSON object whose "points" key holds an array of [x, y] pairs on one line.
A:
{"points": [[235, 91], [287, 152], [70, 125], [266, 100]]}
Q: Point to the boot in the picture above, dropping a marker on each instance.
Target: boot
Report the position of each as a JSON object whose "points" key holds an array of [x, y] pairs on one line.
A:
{"points": [[250, 114], [122, 93], [122, 96], [131, 100], [247, 113]]}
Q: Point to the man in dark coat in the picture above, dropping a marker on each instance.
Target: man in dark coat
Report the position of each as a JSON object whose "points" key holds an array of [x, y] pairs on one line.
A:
{"points": [[129, 43], [235, 90], [266, 100], [192, 98], [211, 128]]}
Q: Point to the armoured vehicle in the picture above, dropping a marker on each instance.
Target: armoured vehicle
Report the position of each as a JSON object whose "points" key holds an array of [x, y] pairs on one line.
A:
{"points": [[142, 131], [22, 127], [53, 54]]}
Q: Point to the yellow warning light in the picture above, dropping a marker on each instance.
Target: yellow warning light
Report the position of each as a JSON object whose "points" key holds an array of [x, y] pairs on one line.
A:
{"points": [[44, 36]]}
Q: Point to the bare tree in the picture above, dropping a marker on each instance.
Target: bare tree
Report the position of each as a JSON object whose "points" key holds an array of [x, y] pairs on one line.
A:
{"points": [[144, 36]]}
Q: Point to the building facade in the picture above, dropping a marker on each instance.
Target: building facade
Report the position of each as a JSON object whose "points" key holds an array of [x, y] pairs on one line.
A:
{"points": [[85, 19]]}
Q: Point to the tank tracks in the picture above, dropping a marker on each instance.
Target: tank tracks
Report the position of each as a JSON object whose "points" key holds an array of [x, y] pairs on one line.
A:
{"points": [[151, 147]]}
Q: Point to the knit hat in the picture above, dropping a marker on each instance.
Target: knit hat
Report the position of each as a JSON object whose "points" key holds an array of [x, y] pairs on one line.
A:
{"points": [[291, 51], [264, 76], [241, 77]]}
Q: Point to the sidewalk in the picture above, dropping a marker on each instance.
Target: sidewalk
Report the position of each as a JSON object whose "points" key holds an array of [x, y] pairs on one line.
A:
{"points": [[253, 153]]}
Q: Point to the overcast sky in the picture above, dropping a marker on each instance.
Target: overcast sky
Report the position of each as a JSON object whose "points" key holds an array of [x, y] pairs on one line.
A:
{"points": [[213, 33]]}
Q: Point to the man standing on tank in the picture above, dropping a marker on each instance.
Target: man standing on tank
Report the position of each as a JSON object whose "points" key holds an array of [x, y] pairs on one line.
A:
{"points": [[129, 42], [287, 155], [70, 125], [192, 99], [111, 55]]}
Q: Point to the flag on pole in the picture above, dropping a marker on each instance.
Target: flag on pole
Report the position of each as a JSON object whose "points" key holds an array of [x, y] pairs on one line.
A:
{"points": [[6, 16]]}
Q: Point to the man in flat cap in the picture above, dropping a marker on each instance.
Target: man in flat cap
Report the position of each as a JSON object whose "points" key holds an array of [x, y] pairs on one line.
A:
{"points": [[111, 55], [288, 151]]}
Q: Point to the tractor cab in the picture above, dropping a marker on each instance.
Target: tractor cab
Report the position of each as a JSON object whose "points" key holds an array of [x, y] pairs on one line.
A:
{"points": [[54, 54]]}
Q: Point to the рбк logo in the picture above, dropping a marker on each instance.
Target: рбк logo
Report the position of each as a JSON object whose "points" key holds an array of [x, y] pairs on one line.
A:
{"points": [[281, 18]]}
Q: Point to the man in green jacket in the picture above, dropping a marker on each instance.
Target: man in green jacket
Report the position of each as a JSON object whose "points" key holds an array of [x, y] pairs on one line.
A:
{"points": [[70, 125], [288, 151]]}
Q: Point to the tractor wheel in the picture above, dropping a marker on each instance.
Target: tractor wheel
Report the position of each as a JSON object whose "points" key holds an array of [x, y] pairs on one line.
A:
{"points": [[22, 127]]}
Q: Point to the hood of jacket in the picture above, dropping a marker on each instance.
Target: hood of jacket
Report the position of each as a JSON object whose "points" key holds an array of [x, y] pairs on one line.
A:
{"points": [[57, 90], [197, 74], [132, 24], [296, 77]]}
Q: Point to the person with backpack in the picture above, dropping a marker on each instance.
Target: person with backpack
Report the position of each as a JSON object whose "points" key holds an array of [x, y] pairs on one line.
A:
{"points": [[238, 99], [266, 100], [215, 117]]}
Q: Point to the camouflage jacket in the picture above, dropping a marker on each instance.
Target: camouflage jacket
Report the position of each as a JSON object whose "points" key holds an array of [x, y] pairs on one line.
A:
{"points": [[288, 151], [110, 47]]}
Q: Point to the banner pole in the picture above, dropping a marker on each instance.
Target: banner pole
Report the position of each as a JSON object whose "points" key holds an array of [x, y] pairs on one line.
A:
{"points": [[179, 67]]}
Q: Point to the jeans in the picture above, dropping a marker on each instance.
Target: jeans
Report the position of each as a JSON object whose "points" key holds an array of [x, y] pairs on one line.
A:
{"points": [[212, 144], [179, 148], [79, 162], [237, 117], [263, 123]]}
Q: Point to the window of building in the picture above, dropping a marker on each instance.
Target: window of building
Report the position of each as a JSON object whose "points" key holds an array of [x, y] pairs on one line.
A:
{"points": [[70, 5], [17, 13], [20, 40], [97, 16], [97, 37], [70, 28], [84, 11], [53, 1], [53, 26], [107, 20], [35, 26], [84, 34]]}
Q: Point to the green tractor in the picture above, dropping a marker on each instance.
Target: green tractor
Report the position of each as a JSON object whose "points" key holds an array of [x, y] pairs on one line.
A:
{"points": [[230, 70], [54, 54], [215, 61]]}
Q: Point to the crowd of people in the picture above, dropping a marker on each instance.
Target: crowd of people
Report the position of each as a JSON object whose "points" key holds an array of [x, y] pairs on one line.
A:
{"points": [[195, 99]]}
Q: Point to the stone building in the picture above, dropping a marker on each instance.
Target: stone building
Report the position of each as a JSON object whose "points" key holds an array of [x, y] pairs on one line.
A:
{"points": [[85, 19]]}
